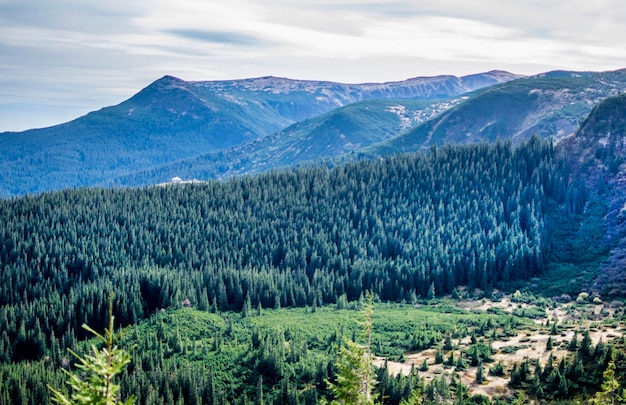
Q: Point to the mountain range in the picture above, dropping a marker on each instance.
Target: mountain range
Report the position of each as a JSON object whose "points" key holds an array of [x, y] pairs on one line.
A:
{"points": [[215, 129], [171, 120]]}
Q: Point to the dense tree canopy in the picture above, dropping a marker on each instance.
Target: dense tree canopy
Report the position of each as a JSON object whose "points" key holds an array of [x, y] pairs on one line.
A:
{"points": [[403, 227]]}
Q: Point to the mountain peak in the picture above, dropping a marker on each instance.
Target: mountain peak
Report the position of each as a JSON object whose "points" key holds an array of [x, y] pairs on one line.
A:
{"points": [[169, 79]]}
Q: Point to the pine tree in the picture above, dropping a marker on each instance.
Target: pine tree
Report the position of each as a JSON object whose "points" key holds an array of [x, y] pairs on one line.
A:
{"points": [[549, 344], [536, 389], [259, 391], [94, 386], [355, 378], [480, 374], [438, 357], [554, 330], [416, 398], [609, 393]]}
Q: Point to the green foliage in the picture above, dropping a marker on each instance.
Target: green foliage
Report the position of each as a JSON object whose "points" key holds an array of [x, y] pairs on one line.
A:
{"points": [[591, 370], [213, 358], [353, 376], [415, 399], [473, 216], [497, 370], [480, 374], [610, 391], [354, 380], [579, 251], [94, 384], [549, 344], [459, 216]]}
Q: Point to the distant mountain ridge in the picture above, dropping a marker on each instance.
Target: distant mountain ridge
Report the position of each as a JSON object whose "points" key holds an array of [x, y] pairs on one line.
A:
{"points": [[550, 105], [172, 119], [213, 129]]}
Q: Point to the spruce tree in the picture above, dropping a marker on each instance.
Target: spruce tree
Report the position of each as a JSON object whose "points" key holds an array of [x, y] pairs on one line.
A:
{"points": [[480, 374], [94, 384], [354, 383], [610, 390]]}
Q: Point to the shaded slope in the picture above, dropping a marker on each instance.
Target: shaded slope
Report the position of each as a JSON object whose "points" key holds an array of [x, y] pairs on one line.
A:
{"points": [[598, 152], [329, 135], [172, 119], [549, 105]]}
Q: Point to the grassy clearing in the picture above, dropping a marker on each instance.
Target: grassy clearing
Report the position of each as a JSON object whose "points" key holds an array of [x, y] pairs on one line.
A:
{"points": [[560, 324]]}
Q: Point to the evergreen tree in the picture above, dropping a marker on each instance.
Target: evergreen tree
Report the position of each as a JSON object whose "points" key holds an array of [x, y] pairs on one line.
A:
{"points": [[96, 386], [480, 374], [610, 392], [549, 344], [354, 380]]}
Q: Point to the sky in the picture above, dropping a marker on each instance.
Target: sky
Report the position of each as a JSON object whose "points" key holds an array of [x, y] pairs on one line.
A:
{"points": [[60, 59]]}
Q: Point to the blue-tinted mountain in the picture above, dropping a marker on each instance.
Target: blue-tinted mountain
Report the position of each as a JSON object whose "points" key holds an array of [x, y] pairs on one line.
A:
{"points": [[597, 153], [337, 133], [550, 105], [172, 119]]}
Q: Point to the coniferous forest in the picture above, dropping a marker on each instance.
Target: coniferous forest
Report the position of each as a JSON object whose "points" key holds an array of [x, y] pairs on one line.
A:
{"points": [[408, 228]]}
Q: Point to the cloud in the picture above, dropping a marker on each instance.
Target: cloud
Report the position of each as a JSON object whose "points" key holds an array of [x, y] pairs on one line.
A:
{"points": [[221, 37], [93, 53]]}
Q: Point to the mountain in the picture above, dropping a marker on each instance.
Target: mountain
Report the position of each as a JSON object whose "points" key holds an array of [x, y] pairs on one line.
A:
{"points": [[601, 139], [598, 154], [336, 133], [550, 105], [172, 119]]}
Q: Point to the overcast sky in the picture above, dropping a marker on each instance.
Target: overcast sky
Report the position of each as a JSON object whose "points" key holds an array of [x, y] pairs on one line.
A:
{"points": [[60, 59]]}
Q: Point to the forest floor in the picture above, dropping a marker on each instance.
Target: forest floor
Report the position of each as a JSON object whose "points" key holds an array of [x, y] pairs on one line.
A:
{"points": [[528, 343]]}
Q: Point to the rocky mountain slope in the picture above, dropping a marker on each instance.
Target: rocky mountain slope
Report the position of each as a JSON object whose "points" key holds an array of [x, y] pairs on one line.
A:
{"points": [[550, 105], [598, 153]]}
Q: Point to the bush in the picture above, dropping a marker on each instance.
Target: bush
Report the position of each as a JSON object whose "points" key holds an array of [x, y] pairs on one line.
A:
{"points": [[497, 370]]}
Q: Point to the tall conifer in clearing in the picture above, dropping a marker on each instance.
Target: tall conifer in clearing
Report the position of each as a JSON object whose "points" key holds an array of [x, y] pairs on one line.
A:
{"points": [[355, 378], [93, 384]]}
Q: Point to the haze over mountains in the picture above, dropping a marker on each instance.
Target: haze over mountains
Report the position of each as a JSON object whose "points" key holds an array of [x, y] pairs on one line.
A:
{"points": [[214, 129]]}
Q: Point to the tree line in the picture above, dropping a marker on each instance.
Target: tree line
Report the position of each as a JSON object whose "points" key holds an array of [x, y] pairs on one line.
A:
{"points": [[404, 227]]}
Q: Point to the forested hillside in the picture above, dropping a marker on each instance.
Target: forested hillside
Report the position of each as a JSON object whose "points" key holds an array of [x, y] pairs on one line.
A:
{"points": [[598, 150], [404, 227], [407, 226], [172, 119], [338, 132]]}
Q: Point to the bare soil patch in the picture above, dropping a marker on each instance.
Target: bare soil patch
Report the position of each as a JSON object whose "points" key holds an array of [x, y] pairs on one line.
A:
{"points": [[529, 343]]}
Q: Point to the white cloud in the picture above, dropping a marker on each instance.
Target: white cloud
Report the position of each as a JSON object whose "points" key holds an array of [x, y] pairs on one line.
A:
{"points": [[90, 54]]}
